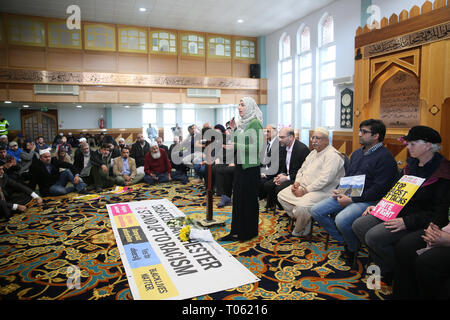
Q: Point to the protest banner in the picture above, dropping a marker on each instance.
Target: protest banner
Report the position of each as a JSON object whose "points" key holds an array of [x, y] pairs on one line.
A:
{"points": [[393, 202], [159, 265]]}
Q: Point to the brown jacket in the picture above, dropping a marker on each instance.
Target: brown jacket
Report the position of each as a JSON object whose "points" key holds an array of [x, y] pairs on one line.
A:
{"points": [[117, 167]]}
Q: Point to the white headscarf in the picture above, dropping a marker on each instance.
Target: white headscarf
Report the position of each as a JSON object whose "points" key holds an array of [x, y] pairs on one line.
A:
{"points": [[251, 112]]}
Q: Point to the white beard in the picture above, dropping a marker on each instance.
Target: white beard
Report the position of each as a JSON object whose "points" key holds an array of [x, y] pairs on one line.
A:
{"points": [[156, 155]]}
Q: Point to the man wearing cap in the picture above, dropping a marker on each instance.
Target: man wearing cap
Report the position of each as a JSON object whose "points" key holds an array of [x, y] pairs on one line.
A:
{"points": [[316, 179], [46, 174], [157, 165], [15, 151], [430, 203], [380, 171]]}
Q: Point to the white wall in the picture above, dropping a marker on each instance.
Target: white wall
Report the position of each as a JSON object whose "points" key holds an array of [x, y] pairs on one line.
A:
{"points": [[70, 117], [126, 118], [347, 18]]}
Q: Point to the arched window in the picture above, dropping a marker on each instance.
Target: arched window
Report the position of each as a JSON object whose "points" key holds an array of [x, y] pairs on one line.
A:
{"points": [[305, 81], [285, 81], [326, 72]]}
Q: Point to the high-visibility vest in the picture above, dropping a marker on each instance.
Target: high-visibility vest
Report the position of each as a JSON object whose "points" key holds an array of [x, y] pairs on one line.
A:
{"points": [[3, 127]]}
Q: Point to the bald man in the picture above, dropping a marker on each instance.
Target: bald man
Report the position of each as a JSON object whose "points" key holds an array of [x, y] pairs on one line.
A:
{"points": [[315, 181], [294, 153]]}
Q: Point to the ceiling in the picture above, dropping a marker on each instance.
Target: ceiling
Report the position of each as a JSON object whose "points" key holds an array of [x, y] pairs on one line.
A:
{"points": [[260, 17]]}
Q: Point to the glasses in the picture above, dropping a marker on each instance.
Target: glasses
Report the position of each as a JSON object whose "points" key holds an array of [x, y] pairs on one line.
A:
{"points": [[364, 131], [316, 138]]}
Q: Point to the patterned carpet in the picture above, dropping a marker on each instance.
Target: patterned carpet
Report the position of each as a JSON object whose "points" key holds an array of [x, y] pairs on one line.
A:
{"points": [[37, 247]]}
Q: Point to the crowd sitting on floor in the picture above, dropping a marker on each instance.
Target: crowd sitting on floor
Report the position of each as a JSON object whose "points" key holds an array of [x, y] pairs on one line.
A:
{"points": [[299, 181]]}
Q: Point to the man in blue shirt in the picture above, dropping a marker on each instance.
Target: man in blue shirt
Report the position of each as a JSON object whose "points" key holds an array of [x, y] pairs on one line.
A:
{"points": [[380, 169]]}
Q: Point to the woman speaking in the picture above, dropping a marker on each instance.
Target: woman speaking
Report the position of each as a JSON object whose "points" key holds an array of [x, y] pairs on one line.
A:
{"points": [[247, 140]]}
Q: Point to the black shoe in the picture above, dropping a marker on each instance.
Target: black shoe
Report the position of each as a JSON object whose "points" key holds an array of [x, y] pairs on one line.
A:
{"points": [[348, 255], [229, 237]]}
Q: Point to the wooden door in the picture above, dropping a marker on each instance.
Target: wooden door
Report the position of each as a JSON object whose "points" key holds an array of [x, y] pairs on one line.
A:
{"points": [[37, 123]]}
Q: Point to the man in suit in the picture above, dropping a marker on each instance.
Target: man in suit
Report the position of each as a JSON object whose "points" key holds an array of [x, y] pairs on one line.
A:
{"points": [[295, 152], [139, 150], [124, 169], [14, 195], [159, 141], [270, 166], [46, 174]]}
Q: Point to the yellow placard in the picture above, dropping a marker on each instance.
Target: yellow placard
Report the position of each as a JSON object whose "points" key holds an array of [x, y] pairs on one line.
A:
{"points": [[153, 283], [125, 221]]}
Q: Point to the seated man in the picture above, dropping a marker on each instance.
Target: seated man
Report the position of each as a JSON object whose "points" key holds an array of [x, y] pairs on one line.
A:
{"points": [[157, 165], [64, 145], [159, 141], [380, 169], [82, 160], [294, 155], [11, 167], [40, 144], [139, 149], [318, 176], [45, 173], [15, 151], [270, 165], [124, 169], [100, 168], [180, 173], [14, 196]]}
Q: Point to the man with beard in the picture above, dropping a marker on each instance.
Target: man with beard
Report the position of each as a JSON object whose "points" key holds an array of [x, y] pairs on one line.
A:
{"points": [[157, 165], [139, 149], [101, 165]]}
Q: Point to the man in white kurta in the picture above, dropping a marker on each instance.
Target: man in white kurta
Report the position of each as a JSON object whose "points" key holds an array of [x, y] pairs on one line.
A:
{"points": [[316, 179]]}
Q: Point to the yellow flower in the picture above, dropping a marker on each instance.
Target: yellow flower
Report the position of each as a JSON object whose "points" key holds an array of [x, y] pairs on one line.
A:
{"points": [[184, 233]]}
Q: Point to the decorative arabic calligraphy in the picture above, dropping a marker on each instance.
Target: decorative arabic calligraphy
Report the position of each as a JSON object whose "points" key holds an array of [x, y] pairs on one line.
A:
{"points": [[400, 101], [116, 79], [431, 34]]}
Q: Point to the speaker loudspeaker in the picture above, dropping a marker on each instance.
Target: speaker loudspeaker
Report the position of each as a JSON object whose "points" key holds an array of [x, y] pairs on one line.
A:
{"points": [[255, 71]]}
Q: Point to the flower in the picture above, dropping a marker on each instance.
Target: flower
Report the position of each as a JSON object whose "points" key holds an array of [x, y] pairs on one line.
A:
{"points": [[184, 233]]}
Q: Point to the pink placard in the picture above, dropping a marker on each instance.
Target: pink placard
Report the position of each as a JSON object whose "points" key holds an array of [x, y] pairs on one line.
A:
{"points": [[386, 210], [119, 209]]}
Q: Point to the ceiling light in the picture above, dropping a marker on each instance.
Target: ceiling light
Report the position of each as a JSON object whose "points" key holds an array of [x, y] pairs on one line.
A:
{"points": [[126, 106], [142, 9], [7, 101], [79, 106], [240, 21], [26, 106]]}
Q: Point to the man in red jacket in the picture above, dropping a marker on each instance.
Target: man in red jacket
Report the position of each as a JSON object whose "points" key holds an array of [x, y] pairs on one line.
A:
{"points": [[157, 166]]}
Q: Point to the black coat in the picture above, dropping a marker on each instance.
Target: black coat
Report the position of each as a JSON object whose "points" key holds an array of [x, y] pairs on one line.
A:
{"points": [[299, 153], [138, 153], [431, 201], [9, 186], [40, 176]]}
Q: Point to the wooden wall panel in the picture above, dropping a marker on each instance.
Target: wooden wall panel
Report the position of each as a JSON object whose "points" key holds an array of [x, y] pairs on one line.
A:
{"points": [[23, 95], [55, 98], [241, 69], [228, 97], [101, 95], [3, 60], [160, 95], [191, 66], [218, 68], [128, 63], [27, 58], [102, 62], [134, 95], [67, 60], [163, 64]]}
